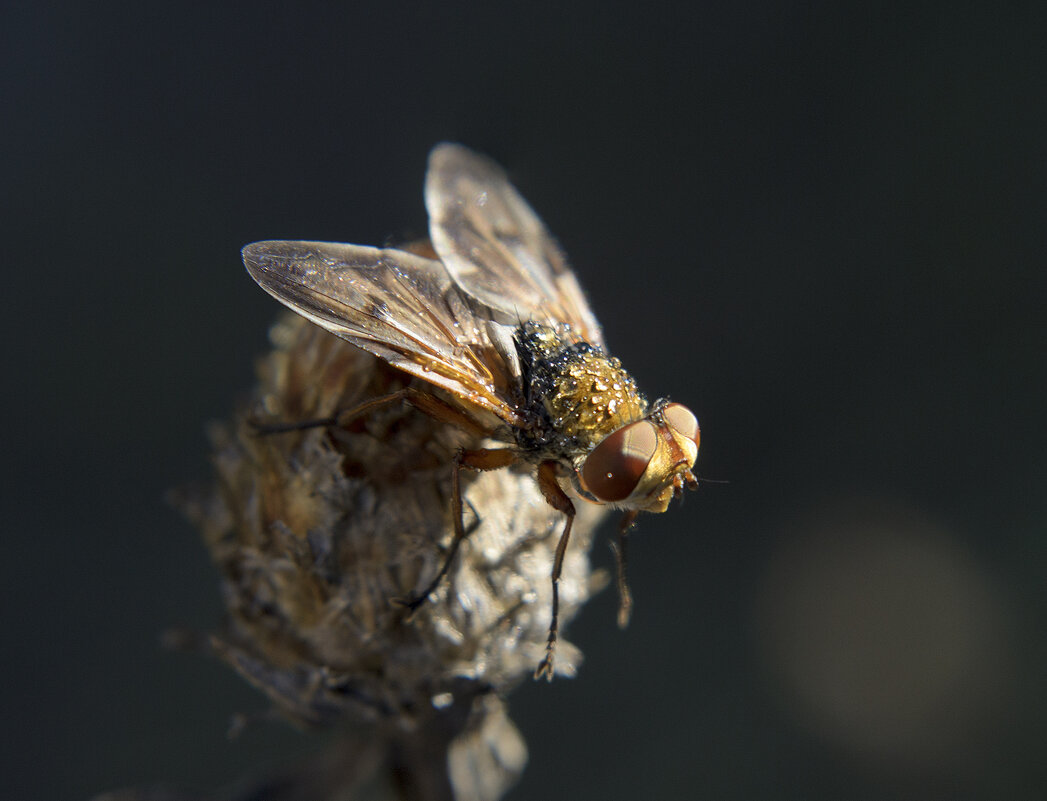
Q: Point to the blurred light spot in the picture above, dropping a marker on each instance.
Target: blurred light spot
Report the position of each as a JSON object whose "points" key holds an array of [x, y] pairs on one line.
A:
{"points": [[882, 634]]}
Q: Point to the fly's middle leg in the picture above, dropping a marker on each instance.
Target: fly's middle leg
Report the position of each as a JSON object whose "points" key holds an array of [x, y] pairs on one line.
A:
{"points": [[557, 498], [481, 459]]}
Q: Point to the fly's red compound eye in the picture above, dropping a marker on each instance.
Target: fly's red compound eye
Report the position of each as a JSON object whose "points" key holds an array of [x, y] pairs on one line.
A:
{"points": [[615, 466], [681, 420]]}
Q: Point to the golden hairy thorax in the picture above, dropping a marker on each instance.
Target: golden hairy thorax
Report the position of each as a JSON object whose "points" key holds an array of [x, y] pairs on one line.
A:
{"points": [[574, 392]]}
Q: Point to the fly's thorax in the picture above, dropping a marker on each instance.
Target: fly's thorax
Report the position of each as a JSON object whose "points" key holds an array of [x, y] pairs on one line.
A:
{"points": [[576, 394], [594, 397]]}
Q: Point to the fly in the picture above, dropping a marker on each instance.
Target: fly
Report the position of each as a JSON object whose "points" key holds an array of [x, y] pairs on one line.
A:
{"points": [[491, 314]]}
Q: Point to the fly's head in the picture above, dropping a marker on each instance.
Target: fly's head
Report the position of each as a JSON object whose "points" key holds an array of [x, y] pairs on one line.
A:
{"points": [[643, 465]]}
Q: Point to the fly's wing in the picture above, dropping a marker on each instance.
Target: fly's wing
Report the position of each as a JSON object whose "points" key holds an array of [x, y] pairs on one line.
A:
{"points": [[402, 308], [495, 246]]}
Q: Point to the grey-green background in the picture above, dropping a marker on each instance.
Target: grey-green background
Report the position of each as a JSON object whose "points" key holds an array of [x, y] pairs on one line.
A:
{"points": [[820, 225]]}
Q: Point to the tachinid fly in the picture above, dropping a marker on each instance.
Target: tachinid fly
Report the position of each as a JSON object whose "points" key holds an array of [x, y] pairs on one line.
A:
{"points": [[497, 323]]}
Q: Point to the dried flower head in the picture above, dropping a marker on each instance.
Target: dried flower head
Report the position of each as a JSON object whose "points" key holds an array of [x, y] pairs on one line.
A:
{"points": [[468, 400], [318, 532]]}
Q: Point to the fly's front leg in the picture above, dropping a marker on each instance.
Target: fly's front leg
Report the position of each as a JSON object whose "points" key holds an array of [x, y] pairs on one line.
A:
{"points": [[558, 499], [625, 598], [481, 459]]}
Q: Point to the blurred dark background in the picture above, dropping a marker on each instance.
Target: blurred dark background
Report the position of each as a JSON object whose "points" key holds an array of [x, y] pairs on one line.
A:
{"points": [[819, 225]]}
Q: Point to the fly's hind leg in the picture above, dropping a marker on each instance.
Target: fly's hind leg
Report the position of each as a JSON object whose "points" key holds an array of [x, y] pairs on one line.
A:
{"points": [[482, 459], [557, 498], [443, 412], [425, 402]]}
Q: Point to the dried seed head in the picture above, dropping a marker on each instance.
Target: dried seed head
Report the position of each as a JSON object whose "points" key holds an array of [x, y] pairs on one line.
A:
{"points": [[317, 532]]}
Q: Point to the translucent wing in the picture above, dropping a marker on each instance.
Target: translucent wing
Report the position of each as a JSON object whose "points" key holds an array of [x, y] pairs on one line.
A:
{"points": [[495, 246], [400, 307]]}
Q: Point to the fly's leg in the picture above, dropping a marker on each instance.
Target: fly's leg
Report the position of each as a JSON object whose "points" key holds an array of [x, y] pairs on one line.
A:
{"points": [[442, 412], [625, 598], [481, 459], [557, 498], [428, 404]]}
